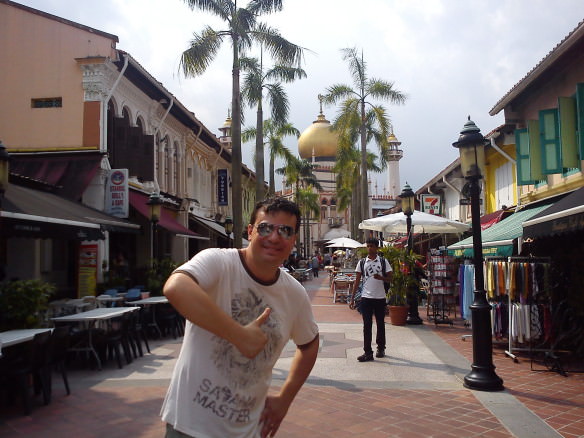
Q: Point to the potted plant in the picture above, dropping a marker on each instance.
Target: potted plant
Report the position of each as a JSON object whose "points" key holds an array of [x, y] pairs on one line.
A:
{"points": [[24, 303], [403, 281], [157, 275]]}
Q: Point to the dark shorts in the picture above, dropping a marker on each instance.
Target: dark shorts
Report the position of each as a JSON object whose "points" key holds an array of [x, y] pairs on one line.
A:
{"points": [[172, 433]]}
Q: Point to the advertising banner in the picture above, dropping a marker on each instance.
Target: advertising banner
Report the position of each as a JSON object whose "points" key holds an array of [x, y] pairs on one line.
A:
{"points": [[431, 204], [87, 274], [116, 193], [222, 187]]}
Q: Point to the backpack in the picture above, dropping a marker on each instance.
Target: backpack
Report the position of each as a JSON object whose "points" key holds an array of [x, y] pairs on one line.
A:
{"points": [[386, 284]]}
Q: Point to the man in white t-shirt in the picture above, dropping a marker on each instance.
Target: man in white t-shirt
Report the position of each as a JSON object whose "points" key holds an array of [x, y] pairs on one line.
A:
{"points": [[373, 300], [241, 310]]}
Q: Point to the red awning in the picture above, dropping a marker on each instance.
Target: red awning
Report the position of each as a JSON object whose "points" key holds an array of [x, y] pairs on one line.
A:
{"points": [[167, 219], [491, 219], [70, 173]]}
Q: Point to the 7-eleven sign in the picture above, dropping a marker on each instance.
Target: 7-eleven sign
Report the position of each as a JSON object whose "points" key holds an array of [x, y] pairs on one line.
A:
{"points": [[430, 204]]}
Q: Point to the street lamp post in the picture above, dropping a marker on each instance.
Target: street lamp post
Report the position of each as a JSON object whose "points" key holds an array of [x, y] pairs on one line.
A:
{"points": [[408, 198], [482, 376], [228, 225], [155, 204]]}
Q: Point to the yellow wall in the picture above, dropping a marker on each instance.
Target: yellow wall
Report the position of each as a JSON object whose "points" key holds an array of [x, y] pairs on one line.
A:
{"points": [[494, 161], [38, 61]]}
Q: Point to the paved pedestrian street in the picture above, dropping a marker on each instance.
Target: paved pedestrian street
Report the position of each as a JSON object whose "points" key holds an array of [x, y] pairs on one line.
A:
{"points": [[415, 391]]}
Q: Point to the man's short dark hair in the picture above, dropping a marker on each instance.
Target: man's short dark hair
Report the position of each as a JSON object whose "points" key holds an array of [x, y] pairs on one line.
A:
{"points": [[372, 241], [274, 205]]}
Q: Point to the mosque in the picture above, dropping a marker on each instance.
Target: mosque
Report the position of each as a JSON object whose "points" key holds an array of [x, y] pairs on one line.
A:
{"points": [[318, 144]]}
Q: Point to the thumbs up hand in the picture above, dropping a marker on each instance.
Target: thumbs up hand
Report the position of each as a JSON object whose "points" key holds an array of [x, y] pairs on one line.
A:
{"points": [[253, 339]]}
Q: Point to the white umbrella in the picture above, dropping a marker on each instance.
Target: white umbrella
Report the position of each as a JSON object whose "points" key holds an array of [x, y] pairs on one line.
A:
{"points": [[422, 223], [343, 242]]}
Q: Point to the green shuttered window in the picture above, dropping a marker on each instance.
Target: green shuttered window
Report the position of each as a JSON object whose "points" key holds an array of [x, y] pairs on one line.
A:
{"points": [[550, 141], [522, 155]]}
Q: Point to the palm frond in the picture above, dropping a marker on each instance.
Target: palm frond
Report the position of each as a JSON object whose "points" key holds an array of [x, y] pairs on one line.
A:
{"points": [[279, 102], [384, 90], [220, 8], [201, 52], [248, 134], [357, 66], [337, 92], [284, 73], [259, 7], [281, 50]]}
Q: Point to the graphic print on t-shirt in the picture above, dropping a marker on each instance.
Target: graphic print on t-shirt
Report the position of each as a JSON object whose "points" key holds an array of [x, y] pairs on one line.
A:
{"points": [[240, 371], [372, 267]]}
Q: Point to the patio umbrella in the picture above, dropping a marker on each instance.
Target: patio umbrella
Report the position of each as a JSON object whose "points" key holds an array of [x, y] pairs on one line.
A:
{"points": [[343, 242], [422, 222]]}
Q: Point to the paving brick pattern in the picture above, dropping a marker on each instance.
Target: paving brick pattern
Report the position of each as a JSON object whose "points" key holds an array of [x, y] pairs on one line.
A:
{"points": [[129, 408]]}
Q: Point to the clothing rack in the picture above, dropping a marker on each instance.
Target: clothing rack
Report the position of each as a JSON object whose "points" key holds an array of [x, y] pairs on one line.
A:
{"points": [[533, 312]]}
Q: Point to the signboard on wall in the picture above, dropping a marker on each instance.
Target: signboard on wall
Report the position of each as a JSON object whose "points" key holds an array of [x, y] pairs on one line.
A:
{"points": [[222, 187], [87, 273], [116, 193], [431, 204]]}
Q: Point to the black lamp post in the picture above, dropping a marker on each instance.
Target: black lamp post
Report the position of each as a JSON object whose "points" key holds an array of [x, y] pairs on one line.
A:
{"points": [[408, 198], [228, 224], [482, 376], [155, 204]]}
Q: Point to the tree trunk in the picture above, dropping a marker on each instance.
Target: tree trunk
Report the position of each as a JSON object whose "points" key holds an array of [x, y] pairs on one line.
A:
{"points": [[272, 175], [259, 154], [236, 189], [364, 212]]}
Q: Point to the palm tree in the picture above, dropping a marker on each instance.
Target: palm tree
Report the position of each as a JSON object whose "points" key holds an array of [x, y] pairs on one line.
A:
{"points": [[255, 83], [299, 173], [353, 111], [347, 168], [243, 29], [274, 133], [307, 200]]}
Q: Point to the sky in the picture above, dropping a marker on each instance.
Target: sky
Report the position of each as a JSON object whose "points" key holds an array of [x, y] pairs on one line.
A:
{"points": [[452, 58]]}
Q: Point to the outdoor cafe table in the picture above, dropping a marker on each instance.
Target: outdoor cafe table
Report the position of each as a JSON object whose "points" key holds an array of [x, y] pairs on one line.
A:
{"points": [[13, 337], [150, 301], [91, 317]]}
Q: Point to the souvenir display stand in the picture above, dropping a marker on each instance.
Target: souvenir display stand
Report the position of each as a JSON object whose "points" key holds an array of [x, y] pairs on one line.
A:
{"points": [[442, 278]]}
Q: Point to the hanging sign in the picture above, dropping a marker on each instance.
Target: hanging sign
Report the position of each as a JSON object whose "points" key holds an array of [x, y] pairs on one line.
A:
{"points": [[222, 187], [116, 193], [431, 204]]}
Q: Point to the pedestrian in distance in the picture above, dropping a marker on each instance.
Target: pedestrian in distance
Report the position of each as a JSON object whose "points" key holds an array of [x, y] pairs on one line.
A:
{"points": [[374, 270], [315, 264], [241, 311]]}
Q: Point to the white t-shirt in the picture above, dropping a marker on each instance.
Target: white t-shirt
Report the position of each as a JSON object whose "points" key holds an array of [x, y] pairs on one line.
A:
{"points": [[373, 288], [215, 391]]}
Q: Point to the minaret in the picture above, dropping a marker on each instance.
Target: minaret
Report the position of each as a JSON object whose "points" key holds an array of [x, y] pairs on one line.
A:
{"points": [[394, 154], [225, 138]]}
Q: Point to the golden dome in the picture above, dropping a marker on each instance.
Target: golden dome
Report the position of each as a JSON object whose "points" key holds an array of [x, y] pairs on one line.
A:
{"points": [[319, 139]]}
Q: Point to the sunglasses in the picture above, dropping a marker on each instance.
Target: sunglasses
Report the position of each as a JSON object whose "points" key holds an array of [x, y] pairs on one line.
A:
{"points": [[265, 229]]}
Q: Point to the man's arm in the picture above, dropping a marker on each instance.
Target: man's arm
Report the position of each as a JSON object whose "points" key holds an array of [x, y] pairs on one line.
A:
{"points": [[192, 302], [354, 289], [277, 405]]}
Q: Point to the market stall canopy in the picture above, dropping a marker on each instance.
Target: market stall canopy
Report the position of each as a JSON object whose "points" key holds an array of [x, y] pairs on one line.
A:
{"points": [[422, 223], [343, 242], [499, 239], [565, 216]]}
